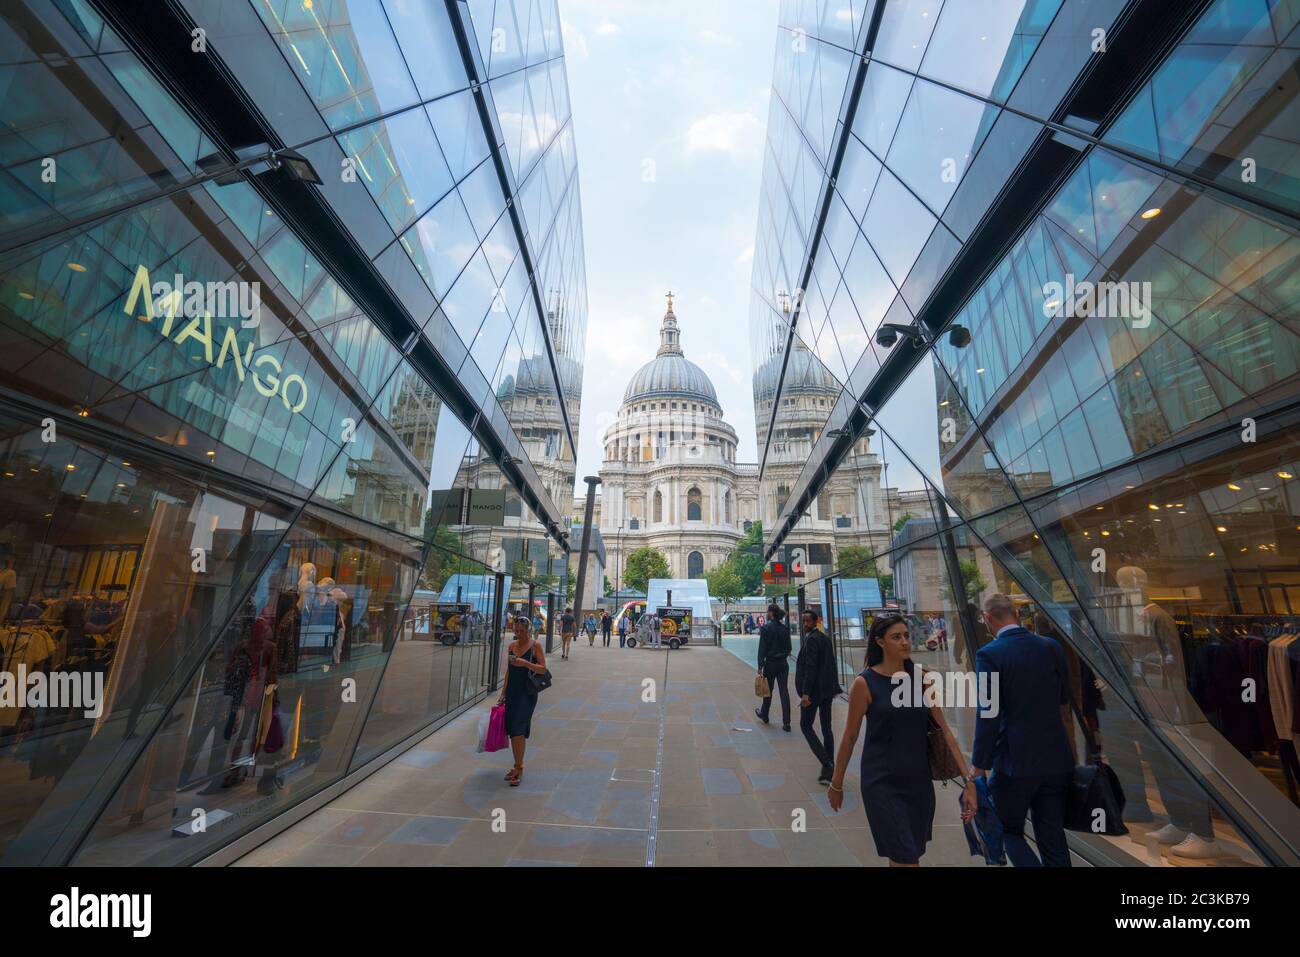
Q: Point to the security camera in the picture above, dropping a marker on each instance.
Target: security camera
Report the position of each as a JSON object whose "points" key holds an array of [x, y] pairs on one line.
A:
{"points": [[889, 332], [959, 337]]}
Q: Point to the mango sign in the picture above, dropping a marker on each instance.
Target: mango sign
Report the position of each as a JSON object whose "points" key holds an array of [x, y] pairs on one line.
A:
{"points": [[171, 304]]}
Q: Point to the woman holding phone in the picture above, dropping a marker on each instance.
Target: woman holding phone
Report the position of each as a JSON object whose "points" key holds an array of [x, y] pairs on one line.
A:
{"points": [[523, 655]]}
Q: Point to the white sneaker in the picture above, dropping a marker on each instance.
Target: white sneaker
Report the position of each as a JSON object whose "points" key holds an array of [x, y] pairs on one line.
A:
{"points": [[1197, 848], [1169, 834]]}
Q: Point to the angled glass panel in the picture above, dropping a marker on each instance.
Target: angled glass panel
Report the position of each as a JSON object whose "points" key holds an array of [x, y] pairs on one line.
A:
{"points": [[937, 137]]}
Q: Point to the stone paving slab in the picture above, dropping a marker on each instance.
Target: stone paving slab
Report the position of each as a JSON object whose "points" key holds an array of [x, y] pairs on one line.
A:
{"points": [[729, 787]]}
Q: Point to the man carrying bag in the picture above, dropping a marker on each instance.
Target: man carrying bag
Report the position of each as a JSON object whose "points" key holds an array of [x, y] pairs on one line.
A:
{"points": [[774, 664]]}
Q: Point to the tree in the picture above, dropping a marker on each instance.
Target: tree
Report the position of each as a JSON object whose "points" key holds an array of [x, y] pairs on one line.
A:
{"points": [[643, 565], [443, 558], [609, 587], [902, 520], [725, 584], [747, 559], [857, 561], [972, 579]]}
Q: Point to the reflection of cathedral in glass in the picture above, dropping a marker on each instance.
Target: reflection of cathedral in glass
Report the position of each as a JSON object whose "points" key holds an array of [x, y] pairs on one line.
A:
{"points": [[1123, 469], [856, 507]]}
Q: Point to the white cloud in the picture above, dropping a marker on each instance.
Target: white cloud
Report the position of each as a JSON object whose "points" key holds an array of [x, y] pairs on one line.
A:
{"points": [[715, 38], [719, 362], [575, 44], [746, 255], [608, 29], [724, 133]]}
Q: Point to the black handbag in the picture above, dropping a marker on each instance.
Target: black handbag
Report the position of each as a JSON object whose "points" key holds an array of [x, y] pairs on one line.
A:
{"points": [[539, 681], [1095, 799], [1095, 795]]}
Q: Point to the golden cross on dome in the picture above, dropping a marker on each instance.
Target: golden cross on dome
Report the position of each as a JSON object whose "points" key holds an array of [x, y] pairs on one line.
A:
{"points": [[670, 300]]}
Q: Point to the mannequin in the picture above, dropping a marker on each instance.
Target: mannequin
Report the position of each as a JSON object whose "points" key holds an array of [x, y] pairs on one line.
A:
{"points": [[1149, 636], [343, 634], [306, 587]]}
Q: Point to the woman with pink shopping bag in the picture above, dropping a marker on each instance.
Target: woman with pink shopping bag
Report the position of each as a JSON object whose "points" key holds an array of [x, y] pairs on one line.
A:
{"points": [[519, 696]]}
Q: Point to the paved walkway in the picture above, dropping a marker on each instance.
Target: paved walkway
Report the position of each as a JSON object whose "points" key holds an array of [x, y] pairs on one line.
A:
{"points": [[727, 791]]}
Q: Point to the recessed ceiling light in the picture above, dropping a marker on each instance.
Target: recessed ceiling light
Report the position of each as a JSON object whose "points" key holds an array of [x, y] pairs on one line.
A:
{"points": [[1265, 488], [70, 467], [1285, 475], [1234, 486], [1154, 508], [25, 295], [1151, 213], [979, 371], [1211, 554], [1220, 528], [76, 267], [210, 453]]}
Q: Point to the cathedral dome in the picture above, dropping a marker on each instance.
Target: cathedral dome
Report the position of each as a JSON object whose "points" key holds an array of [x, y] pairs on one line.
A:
{"points": [[804, 373], [670, 374]]}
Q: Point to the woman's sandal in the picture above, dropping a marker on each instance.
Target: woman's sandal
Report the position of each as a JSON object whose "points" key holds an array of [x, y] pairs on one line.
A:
{"points": [[518, 772]]}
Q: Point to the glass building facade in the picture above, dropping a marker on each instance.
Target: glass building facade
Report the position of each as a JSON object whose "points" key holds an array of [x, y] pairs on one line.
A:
{"points": [[1082, 215], [239, 408]]}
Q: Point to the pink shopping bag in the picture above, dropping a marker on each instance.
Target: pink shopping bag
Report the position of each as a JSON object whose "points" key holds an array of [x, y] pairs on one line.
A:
{"points": [[496, 734]]}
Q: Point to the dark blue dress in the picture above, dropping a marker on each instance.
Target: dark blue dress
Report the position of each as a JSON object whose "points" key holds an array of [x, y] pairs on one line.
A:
{"points": [[519, 703], [896, 788]]}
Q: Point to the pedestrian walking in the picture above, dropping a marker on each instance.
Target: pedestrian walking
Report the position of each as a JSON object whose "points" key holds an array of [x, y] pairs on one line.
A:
{"points": [[525, 655], [774, 664], [590, 625], [816, 681], [622, 631], [897, 790], [606, 626], [568, 627], [1023, 742]]}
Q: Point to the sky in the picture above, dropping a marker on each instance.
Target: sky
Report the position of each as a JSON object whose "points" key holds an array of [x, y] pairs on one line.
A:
{"points": [[669, 105]]}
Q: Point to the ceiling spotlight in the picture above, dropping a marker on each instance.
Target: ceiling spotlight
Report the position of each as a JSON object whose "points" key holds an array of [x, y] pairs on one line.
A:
{"points": [[1151, 213]]}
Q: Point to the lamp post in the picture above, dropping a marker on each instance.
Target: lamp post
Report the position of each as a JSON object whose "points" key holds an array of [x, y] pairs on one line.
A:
{"points": [[592, 481], [618, 551]]}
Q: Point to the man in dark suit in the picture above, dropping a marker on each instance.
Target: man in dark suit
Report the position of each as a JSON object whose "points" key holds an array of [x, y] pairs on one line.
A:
{"points": [[774, 663], [817, 682], [1021, 737]]}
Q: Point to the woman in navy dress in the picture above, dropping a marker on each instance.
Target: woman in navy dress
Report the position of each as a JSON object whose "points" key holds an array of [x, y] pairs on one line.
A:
{"points": [[525, 655], [897, 792]]}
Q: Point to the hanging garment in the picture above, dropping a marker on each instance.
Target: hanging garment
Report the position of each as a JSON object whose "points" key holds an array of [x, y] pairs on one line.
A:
{"points": [[1281, 688]]}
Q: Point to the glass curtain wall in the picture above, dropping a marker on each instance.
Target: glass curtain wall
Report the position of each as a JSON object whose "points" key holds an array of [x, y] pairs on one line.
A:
{"points": [[1109, 438], [227, 519]]}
